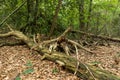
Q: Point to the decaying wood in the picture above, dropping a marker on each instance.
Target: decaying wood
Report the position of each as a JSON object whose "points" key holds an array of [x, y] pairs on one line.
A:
{"points": [[20, 36], [84, 71], [80, 46], [96, 36]]}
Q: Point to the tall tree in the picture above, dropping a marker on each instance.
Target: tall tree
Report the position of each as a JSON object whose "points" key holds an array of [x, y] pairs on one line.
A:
{"points": [[54, 22], [89, 13], [32, 11], [81, 15]]}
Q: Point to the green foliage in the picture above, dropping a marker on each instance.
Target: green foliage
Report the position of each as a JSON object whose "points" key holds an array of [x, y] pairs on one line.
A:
{"points": [[104, 18], [55, 70], [18, 78], [29, 64], [28, 71]]}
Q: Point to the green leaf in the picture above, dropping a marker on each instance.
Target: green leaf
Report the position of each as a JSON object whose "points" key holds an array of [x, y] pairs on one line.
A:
{"points": [[29, 64], [55, 70], [28, 71], [18, 78]]}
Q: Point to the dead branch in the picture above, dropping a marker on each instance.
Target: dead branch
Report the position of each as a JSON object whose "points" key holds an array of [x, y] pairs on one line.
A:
{"points": [[65, 32], [96, 36], [77, 59], [70, 63], [84, 71], [80, 46], [19, 35]]}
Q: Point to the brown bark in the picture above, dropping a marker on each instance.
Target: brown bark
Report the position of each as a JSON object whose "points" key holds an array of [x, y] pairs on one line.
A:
{"points": [[81, 15], [85, 71], [89, 13], [55, 17], [36, 12]]}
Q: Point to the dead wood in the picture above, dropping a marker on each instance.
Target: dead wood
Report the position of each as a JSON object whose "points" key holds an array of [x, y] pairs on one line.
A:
{"points": [[80, 46], [96, 36], [84, 71], [19, 36]]}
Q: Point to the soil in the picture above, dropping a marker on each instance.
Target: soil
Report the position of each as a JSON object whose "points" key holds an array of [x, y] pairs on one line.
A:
{"points": [[15, 60]]}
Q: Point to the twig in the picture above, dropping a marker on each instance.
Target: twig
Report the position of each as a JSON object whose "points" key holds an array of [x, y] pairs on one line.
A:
{"points": [[65, 32], [77, 60], [75, 43], [9, 27], [90, 71], [34, 39]]}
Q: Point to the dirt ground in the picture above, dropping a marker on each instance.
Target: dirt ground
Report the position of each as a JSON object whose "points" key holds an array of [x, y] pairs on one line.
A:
{"points": [[15, 60]]}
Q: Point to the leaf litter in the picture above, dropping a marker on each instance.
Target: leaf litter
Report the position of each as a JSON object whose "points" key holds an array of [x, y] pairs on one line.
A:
{"points": [[17, 63]]}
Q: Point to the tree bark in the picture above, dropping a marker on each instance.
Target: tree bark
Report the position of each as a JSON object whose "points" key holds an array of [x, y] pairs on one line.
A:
{"points": [[85, 71], [81, 15], [89, 14], [55, 17]]}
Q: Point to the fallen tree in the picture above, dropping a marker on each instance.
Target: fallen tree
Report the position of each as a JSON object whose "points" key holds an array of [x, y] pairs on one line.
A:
{"points": [[96, 36], [49, 51]]}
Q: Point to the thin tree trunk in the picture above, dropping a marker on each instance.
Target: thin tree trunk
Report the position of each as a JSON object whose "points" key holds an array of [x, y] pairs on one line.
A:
{"points": [[89, 13], [35, 12], [81, 15], [54, 23]]}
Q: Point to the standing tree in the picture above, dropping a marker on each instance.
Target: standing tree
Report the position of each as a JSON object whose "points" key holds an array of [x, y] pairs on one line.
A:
{"points": [[81, 15], [54, 22], [89, 13]]}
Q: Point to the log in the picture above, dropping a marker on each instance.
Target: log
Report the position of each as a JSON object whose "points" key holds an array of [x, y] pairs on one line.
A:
{"points": [[96, 36], [20, 36], [85, 71]]}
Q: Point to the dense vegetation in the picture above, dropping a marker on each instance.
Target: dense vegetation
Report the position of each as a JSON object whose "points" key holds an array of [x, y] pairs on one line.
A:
{"points": [[54, 16], [58, 28]]}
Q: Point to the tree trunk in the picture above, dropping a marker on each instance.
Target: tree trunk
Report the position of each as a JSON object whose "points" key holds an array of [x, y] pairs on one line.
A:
{"points": [[89, 14], [81, 15], [36, 12], [54, 23], [85, 71]]}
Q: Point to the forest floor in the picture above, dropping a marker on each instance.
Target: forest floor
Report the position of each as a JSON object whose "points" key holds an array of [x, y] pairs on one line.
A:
{"points": [[20, 62]]}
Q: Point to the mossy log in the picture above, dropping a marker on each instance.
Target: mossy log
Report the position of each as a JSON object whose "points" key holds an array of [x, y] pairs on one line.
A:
{"points": [[84, 71]]}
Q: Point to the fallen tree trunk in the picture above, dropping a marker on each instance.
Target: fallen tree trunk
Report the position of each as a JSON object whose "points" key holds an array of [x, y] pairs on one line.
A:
{"points": [[96, 36], [84, 71]]}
